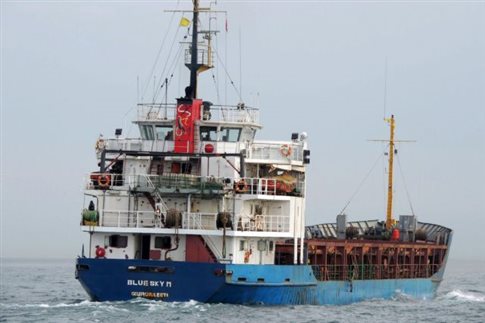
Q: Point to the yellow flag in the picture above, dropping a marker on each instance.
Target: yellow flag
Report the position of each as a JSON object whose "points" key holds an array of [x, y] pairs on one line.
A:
{"points": [[184, 22]]}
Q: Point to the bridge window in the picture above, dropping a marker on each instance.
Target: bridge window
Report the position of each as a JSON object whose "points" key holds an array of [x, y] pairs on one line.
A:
{"points": [[230, 134], [208, 133], [164, 132], [147, 132]]}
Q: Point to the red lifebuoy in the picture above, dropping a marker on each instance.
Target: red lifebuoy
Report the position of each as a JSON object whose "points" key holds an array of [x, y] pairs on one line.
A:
{"points": [[104, 180], [241, 186]]}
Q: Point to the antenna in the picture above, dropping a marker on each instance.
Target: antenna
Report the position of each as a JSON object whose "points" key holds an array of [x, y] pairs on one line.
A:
{"points": [[240, 63], [166, 98], [138, 88], [193, 63], [385, 87]]}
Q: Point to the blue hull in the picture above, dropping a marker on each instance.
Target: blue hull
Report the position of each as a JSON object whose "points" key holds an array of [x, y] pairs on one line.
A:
{"points": [[112, 280]]}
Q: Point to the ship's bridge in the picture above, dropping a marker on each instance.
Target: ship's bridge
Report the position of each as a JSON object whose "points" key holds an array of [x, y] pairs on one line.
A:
{"points": [[221, 129]]}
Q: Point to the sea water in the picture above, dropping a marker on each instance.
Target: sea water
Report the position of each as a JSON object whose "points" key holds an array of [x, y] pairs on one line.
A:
{"points": [[46, 290]]}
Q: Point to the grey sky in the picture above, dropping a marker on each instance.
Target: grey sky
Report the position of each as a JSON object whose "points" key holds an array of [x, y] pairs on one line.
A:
{"points": [[69, 72]]}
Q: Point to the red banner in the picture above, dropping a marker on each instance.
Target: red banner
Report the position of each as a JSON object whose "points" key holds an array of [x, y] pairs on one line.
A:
{"points": [[188, 111]]}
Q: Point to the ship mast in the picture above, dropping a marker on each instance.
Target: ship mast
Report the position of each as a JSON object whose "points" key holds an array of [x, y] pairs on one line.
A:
{"points": [[389, 220], [193, 52], [200, 59]]}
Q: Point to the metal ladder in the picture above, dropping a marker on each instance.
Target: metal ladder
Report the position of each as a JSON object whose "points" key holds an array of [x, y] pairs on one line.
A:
{"points": [[161, 203]]}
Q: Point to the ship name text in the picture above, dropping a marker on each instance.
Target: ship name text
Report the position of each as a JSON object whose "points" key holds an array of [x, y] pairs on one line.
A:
{"points": [[148, 283]]}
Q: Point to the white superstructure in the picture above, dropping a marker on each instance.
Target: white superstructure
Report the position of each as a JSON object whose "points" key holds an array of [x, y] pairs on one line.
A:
{"points": [[154, 203]]}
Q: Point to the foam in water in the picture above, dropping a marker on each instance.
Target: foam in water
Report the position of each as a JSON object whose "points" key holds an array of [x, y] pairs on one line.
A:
{"points": [[465, 296]]}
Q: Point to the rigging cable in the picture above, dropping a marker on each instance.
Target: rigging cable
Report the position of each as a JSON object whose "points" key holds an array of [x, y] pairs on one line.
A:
{"points": [[228, 76], [152, 70], [362, 182], [217, 88], [216, 76], [175, 64], [405, 186], [160, 50], [225, 58], [171, 71], [162, 74]]}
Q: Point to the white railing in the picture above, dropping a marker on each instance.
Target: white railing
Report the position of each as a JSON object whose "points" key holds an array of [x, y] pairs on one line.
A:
{"points": [[194, 221], [282, 152], [199, 221], [123, 144], [154, 112], [264, 222], [152, 182], [136, 144], [128, 219], [233, 114], [143, 219]]}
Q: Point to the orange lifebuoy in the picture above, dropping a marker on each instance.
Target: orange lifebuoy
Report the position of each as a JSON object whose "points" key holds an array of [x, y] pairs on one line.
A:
{"points": [[286, 150], [104, 180], [247, 254], [241, 186]]}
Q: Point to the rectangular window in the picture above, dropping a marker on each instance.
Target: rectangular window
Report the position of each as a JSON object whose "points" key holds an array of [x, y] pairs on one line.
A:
{"points": [[163, 242], [208, 133], [230, 134], [242, 245], [117, 241], [147, 132], [164, 132]]}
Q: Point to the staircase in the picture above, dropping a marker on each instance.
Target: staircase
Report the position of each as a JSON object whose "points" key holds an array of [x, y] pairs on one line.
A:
{"points": [[160, 204], [209, 250]]}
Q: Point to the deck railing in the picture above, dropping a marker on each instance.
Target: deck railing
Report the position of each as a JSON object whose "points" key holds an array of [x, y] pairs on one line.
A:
{"points": [[193, 221], [247, 185], [218, 113], [151, 182], [264, 222], [151, 219], [282, 152], [367, 271], [136, 144]]}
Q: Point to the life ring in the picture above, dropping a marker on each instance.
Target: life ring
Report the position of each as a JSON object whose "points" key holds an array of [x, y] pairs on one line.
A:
{"points": [[104, 180], [286, 150], [247, 254], [241, 186]]}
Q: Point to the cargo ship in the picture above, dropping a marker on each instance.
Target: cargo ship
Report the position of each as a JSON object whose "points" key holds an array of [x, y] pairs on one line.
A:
{"points": [[197, 209]]}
